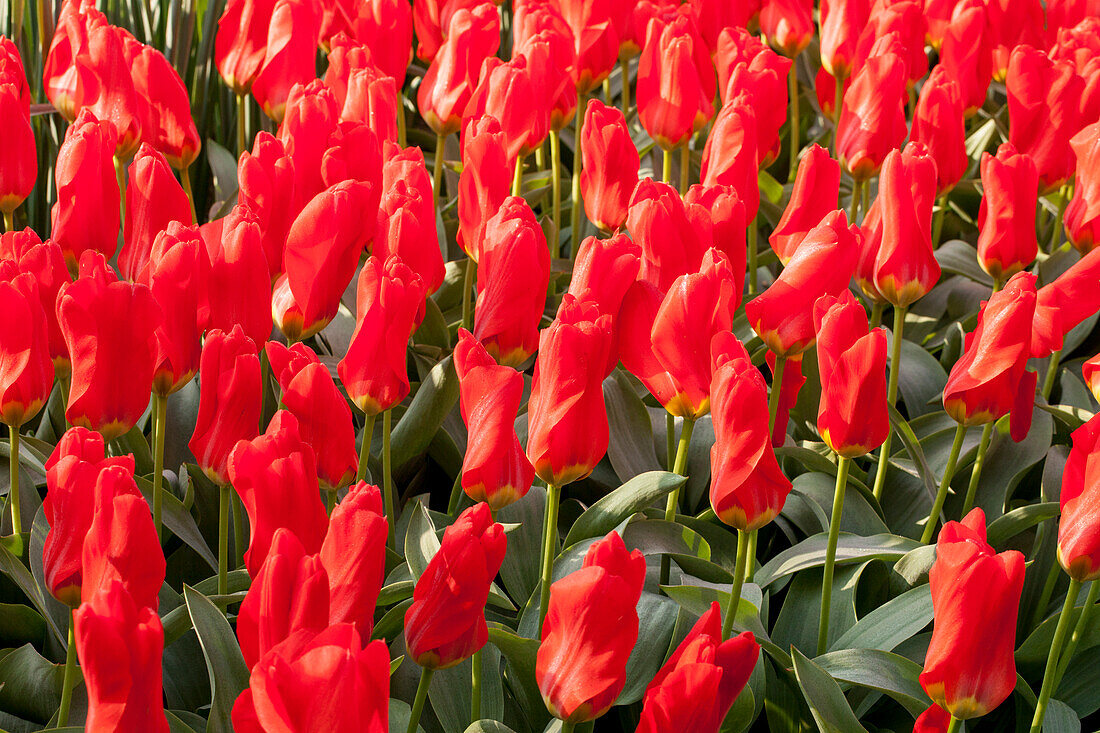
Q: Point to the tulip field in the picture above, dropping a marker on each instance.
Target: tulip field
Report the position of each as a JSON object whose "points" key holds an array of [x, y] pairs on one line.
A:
{"points": [[550, 366]]}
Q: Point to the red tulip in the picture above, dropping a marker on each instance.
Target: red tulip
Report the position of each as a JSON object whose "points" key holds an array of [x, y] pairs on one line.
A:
{"points": [[1067, 14], [513, 274], [354, 554], [595, 40], [938, 124], [670, 235], [18, 157], [47, 265], [1083, 211], [324, 418], [937, 14], [969, 668], [239, 292], [967, 53], [1090, 370], [372, 99], [86, 214], [905, 266], [112, 97], [267, 181], [1079, 525], [64, 80], [552, 61], [610, 170], [604, 270], [872, 122], [732, 154], [446, 622], [715, 17], [815, 194], [12, 72], [787, 25], [311, 117], [1006, 219], [407, 228], [697, 685], [1064, 303], [1012, 23], [723, 207], [289, 594], [178, 275], [842, 21], [737, 47], [169, 127], [154, 198], [241, 42], [747, 489], [389, 307], [906, 20], [353, 154], [484, 183], [933, 720], [506, 91], [472, 36], [590, 629], [676, 83], [567, 432], [229, 400], [26, 375], [120, 644], [386, 28], [431, 21], [289, 55]]}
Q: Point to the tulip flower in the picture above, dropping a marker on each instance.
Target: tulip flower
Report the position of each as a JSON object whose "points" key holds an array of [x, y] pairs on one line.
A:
{"points": [[791, 381], [65, 80], [313, 682], [289, 594], [967, 53], [552, 61], [289, 55], [506, 91], [590, 629], [723, 207], [18, 157], [267, 180], [12, 72], [676, 83], [1064, 303], [787, 25], [938, 125], [354, 554], [324, 418], [595, 40], [514, 272], [111, 96], [697, 685], [154, 198], [239, 291], [120, 644], [969, 669], [177, 276], [241, 42], [1090, 370], [169, 127], [842, 21], [407, 228], [431, 20], [933, 720], [905, 267], [1078, 527], [472, 36], [311, 117], [714, 17], [26, 378], [484, 182], [872, 120], [815, 194], [602, 274], [372, 99], [732, 154], [1006, 219], [47, 264], [907, 21], [353, 154], [737, 47], [669, 234], [1083, 211], [86, 214], [610, 169], [386, 28]]}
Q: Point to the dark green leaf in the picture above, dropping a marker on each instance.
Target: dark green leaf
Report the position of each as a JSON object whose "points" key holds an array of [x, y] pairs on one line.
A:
{"points": [[520, 675], [30, 686], [890, 624], [224, 663], [827, 704], [633, 496], [437, 394], [878, 670], [850, 548], [1006, 527]]}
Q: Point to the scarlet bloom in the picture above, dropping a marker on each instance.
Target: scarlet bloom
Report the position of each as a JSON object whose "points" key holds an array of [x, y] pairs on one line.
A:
{"points": [[178, 274], [747, 488], [938, 124], [1006, 219], [731, 156], [905, 266], [120, 643], [27, 374], [611, 163], [671, 235], [739, 48], [567, 431], [788, 25], [407, 228], [266, 178], [484, 183], [229, 400], [665, 341], [540, 32], [386, 28], [289, 594], [726, 214], [842, 21], [966, 53], [86, 214], [389, 307], [446, 622], [154, 198], [311, 117], [372, 99], [289, 55], [991, 379], [506, 91], [933, 720], [354, 554], [318, 682], [513, 274], [109, 328], [872, 122], [472, 36], [852, 416], [603, 272], [906, 20], [111, 95], [495, 469], [1090, 370], [71, 475], [47, 264], [823, 264], [239, 292], [1012, 23], [816, 193], [1079, 525], [431, 20], [595, 39], [697, 685], [18, 156], [64, 80], [1083, 211], [590, 629], [969, 668], [324, 418], [241, 42], [1061, 305], [676, 83], [168, 127]]}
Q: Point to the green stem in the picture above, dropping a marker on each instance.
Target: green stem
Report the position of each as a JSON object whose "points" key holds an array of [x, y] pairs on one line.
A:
{"points": [[120, 175], [400, 118], [937, 220], [242, 102], [953, 726], [625, 66], [891, 398], [1078, 630], [838, 105], [1053, 574], [666, 165], [976, 474], [555, 191], [160, 419], [607, 90], [238, 531], [567, 727], [857, 189], [330, 500], [456, 494], [773, 395], [364, 448], [549, 545], [9, 221], [739, 570], [1050, 674], [1056, 232], [13, 493], [1052, 373], [419, 700], [517, 177], [578, 163], [437, 167], [754, 536], [223, 540], [69, 680], [670, 441], [830, 553], [468, 294], [941, 495], [475, 681], [685, 168], [753, 233], [387, 478], [185, 181], [672, 505], [876, 315], [795, 145]]}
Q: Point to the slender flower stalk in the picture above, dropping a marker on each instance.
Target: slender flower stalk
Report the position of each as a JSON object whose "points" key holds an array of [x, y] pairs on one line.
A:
{"points": [[223, 540], [517, 177], [795, 144], [549, 544], [1052, 373], [475, 690], [1050, 674], [685, 168], [437, 168], [979, 463], [387, 477], [739, 573], [160, 420], [364, 449], [937, 221], [945, 483], [1078, 631], [420, 699], [555, 191], [753, 234], [891, 397], [843, 464], [672, 505], [13, 492], [777, 388], [578, 203]]}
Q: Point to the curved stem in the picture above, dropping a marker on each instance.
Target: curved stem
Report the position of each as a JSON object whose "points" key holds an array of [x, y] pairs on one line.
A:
{"points": [[387, 478], [672, 505], [976, 474], [773, 395], [937, 220], [160, 419], [517, 177], [185, 181], [13, 491], [750, 568], [670, 441], [555, 191], [945, 483], [400, 118], [1052, 373], [330, 500], [238, 530], [578, 164], [739, 571], [795, 145], [468, 281], [751, 238], [567, 727], [685, 168], [223, 540], [830, 553], [120, 175], [364, 448], [419, 700], [1050, 674], [891, 398], [857, 190], [1078, 630], [475, 690], [1056, 232], [69, 680], [456, 494], [549, 547], [437, 167], [1053, 574]]}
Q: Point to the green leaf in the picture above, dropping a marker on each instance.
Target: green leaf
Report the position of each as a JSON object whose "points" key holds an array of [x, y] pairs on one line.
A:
{"points": [[771, 188], [12, 567], [633, 496], [850, 548], [630, 448], [452, 690], [437, 394], [224, 662], [30, 685], [891, 623], [57, 613], [520, 673], [178, 520], [391, 624], [656, 619], [20, 624], [1006, 527], [878, 670], [520, 570], [921, 379], [1060, 718], [960, 258], [421, 542], [488, 726], [827, 704]]}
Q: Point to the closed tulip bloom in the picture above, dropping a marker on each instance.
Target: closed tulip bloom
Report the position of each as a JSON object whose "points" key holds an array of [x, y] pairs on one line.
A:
{"points": [[178, 276], [354, 555], [64, 80], [676, 83], [1043, 112], [372, 99], [120, 643], [389, 306], [604, 270], [872, 122], [241, 42], [933, 720], [86, 214], [1083, 211], [726, 213], [905, 266], [169, 127], [1006, 219], [311, 117], [506, 91], [484, 183], [991, 379], [1012, 23], [386, 27], [26, 371], [267, 179], [905, 19], [289, 55], [852, 416], [589, 632], [472, 36], [407, 228], [289, 594], [669, 234], [18, 158], [121, 544], [938, 124], [1064, 303], [967, 54], [154, 198], [595, 40], [731, 156], [611, 163], [354, 154], [324, 418], [113, 98], [495, 468], [842, 21], [1079, 525], [969, 669], [567, 422], [937, 16], [1090, 370], [514, 272], [747, 488], [697, 685], [229, 400], [823, 264], [431, 21], [714, 17], [109, 328], [788, 25], [446, 622], [12, 72], [737, 47], [552, 61], [47, 264], [816, 193], [239, 292], [326, 682]]}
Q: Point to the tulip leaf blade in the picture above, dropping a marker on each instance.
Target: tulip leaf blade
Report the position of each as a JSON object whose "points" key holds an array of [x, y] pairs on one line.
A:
{"points": [[179, 520], [437, 394], [224, 661], [881, 671], [850, 548], [830, 710], [891, 623], [17, 572], [635, 495], [488, 726], [960, 258], [30, 685], [1008, 525], [520, 653], [657, 620], [421, 542]]}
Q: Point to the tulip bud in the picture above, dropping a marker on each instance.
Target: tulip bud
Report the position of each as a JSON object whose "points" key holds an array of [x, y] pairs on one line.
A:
{"points": [[788, 25], [506, 91], [595, 40], [938, 124], [1012, 23], [47, 265], [12, 72], [115, 99], [1083, 211], [739, 48], [289, 55], [1006, 219], [905, 266], [933, 720], [354, 554], [178, 275], [407, 228], [604, 270], [241, 42], [26, 378], [311, 117], [1078, 529], [267, 181], [732, 154], [815, 194], [966, 54], [18, 156], [610, 170], [872, 122], [472, 36], [669, 234], [726, 213], [386, 28], [169, 127], [154, 198], [842, 21], [905, 19], [715, 17], [1064, 303], [676, 83], [372, 99], [239, 292], [484, 183], [552, 61]]}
